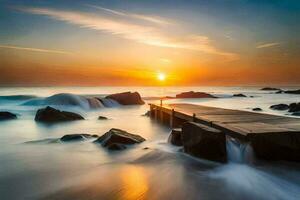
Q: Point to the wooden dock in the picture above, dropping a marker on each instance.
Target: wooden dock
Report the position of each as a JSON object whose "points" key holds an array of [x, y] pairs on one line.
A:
{"points": [[235, 123]]}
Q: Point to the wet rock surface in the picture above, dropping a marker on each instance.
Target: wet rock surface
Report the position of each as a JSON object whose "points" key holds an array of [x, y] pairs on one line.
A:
{"points": [[270, 89], [280, 107], [292, 91], [127, 98], [7, 115], [239, 95], [118, 136], [193, 94], [50, 115], [204, 142], [76, 137], [175, 137], [102, 118], [257, 109]]}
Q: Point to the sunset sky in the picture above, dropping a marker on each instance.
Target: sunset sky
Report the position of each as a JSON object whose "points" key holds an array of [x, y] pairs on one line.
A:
{"points": [[124, 43]]}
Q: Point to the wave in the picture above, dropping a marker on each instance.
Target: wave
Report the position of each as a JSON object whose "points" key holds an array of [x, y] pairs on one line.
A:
{"points": [[67, 99]]}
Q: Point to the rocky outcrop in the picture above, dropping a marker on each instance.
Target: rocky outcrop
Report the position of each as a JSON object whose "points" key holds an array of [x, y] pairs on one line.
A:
{"points": [[116, 146], [118, 136], [257, 109], [127, 98], [270, 89], [50, 114], [294, 107], [193, 94], [292, 91], [175, 137], [204, 142], [280, 107], [276, 146], [102, 118], [239, 95], [7, 115], [76, 137]]}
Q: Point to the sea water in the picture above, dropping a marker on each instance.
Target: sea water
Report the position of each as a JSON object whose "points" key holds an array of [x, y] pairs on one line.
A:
{"points": [[33, 168]]}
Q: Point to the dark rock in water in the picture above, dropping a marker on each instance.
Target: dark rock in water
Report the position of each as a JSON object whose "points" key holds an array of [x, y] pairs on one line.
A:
{"points": [[257, 109], [175, 137], [127, 98], [7, 115], [118, 136], [276, 146], [116, 146], [280, 107], [76, 137], [146, 148], [193, 94], [294, 107], [50, 114], [279, 92], [239, 95], [296, 113], [292, 91], [204, 142], [269, 88], [102, 118], [147, 114]]}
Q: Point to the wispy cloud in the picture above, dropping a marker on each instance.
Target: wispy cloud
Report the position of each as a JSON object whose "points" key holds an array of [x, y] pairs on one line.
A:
{"points": [[140, 33], [34, 49], [266, 45], [153, 19]]}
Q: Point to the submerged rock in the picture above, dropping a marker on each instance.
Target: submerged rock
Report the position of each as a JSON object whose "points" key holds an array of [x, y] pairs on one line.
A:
{"points": [[50, 114], [270, 88], [257, 109], [239, 95], [76, 137], [118, 136], [7, 115], [193, 94], [116, 146], [127, 98], [147, 114], [276, 146], [204, 142], [102, 118], [280, 107], [175, 137], [292, 91]]}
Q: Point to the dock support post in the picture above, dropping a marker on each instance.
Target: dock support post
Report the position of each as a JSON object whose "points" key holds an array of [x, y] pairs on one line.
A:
{"points": [[194, 117], [172, 118], [161, 115], [156, 113]]}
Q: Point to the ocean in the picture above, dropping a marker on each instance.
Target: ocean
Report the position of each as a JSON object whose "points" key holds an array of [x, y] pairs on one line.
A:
{"points": [[33, 168]]}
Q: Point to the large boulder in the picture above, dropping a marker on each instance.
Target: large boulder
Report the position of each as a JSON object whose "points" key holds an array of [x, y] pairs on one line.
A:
{"points": [[76, 137], [280, 107], [294, 107], [276, 146], [270, 89], [7, 115], [239, 95], [118, 136], [175, 137], [204, 142], [193, 94], [50, 114], [127, 98], [292, 91]]}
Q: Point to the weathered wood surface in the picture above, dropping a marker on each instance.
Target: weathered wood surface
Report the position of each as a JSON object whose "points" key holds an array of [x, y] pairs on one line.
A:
{"points": [[235, 122]]}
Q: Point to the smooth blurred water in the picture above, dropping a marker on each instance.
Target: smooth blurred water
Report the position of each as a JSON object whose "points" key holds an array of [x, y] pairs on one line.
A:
{"points": [[84, 170]]}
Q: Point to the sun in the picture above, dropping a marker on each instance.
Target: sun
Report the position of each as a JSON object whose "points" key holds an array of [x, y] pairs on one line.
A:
{"points": [[161, 76]]}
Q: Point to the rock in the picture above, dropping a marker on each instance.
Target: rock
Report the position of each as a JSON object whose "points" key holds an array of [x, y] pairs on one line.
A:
{"points": [[193, 94], [294, 107], [204, 142], [296, 114], [7, 115], [257, 109], [116, 146], [279, 92], [102, 118], [276, 146], [175, 137], [292, 91], [50, 114], [120, 137], [270, 88], [76, 137], [127, 98], [239, 95], [280, 107], [147, 114]]}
